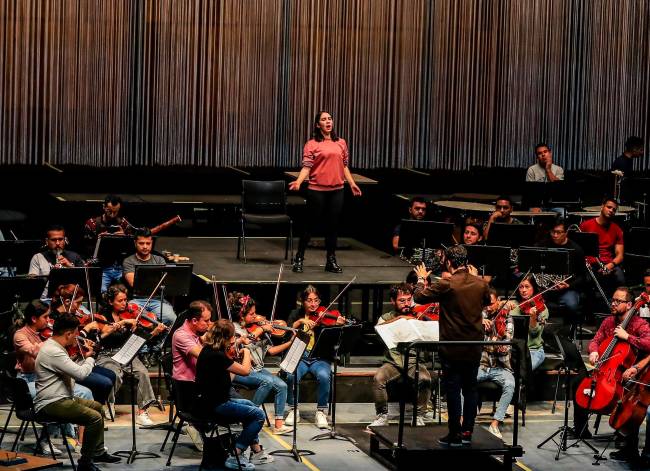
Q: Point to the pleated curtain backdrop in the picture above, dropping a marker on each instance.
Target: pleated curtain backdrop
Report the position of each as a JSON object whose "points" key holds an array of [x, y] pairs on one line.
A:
{"points": [[411, 83]]}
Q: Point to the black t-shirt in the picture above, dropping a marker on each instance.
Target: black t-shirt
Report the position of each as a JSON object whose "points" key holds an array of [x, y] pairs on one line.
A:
{"points": [[624, 164], [212, 378]]}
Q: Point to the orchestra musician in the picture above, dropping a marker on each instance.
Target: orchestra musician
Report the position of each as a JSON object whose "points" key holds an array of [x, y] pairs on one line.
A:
{"points": [[502, 214], [54, 255], [625, 162], [122, 315], [109, 222], [144, 256], [496, 360], [56, 374], [544, 170], [611, 248], [637, 334], [645, 310], [473, 232], [27, 342], [186, 347], [260, 379], [303, 318], [462, 298], [417, 212], [401, 297], [213, 369], [325, 165]]}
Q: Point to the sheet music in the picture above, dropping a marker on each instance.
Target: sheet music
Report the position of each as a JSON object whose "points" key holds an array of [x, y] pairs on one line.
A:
{"points": [[293, 356], [407, 330], [129, 350]]}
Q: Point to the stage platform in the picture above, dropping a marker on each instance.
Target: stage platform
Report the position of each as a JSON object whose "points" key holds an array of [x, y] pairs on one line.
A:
{"points": [[218, 256], [421, 447]]}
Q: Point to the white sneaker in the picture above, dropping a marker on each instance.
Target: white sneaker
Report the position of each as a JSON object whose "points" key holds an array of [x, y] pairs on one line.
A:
{"points": [[143, 419], [231, 463], [494, 430], [380, 421], [45, 448], [321, 419], [289, 420], [261, 457], [195, 436], [419, 421], [284, 430]]}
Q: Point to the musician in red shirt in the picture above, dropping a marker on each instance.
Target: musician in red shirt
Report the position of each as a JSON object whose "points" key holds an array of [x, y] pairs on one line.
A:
{"points": [[325, 165], [636, 334], [610, 244]]}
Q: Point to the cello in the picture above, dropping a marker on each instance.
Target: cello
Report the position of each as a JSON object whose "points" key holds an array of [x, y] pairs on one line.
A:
{"points": [[601, 392], [633, 406]]}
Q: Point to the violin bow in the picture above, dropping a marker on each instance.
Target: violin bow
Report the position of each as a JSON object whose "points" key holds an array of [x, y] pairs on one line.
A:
{"points": [[90, 302], [277, 290], [225, 296], [74, 296], [546, 290], [215, 293], [142, 309], [513, 291], [340, 293]]}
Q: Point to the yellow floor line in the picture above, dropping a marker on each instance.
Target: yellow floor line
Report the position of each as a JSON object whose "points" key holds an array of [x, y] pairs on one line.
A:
{"points": [[523, 466], [286, 446]]}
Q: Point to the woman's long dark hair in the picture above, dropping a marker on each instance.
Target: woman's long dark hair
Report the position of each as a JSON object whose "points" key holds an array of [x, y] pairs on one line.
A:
{"points": [[317, 134], [533, 283]]}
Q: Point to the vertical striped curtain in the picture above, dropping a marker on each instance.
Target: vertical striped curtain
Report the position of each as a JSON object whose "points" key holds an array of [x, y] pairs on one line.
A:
{"points": [[411, 83]]}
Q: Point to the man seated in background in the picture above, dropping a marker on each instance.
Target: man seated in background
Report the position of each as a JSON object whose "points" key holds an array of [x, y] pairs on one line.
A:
{"points": [[417, 212]]}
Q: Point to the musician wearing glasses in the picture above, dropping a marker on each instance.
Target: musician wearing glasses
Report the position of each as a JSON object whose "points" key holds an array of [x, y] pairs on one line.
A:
{"points": [[54, 255], [502, 214], [544, 170], [637, 334], [565, 294], [610, 244]]}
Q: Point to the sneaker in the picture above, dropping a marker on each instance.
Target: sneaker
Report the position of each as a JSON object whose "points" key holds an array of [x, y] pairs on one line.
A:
{"points": [[143, 419], [625, 454], [195, 436], [231, 463], [494, 430], [451, 439], [44, 448], [466, 438], [380, 421], [419, 421], [321, 420], [289, 419], [284, 430], [106, 458], [261, 457]]}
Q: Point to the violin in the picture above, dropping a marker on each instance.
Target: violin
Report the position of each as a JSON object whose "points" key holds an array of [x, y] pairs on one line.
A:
{"points": [[601, 392], [82, 345], [426, 312], [47, 332], [147, 320], [279, 327], [536, 301], [326, 317]]}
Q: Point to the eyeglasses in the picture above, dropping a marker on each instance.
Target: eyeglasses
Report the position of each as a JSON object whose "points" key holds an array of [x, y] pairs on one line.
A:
{"points": [[616, 302]]}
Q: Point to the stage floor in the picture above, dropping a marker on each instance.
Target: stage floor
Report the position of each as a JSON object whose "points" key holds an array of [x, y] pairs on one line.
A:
{"points": [[218, 256]]}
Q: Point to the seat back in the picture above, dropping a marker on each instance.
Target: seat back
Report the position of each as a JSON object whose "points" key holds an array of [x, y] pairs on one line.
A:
{"points": [[166, 362], [20, 395], [185, 395], [263, 197]]}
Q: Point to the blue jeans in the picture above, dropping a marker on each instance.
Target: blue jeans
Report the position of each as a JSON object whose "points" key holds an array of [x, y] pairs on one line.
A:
{"points": [[168, 314], [321, 369], [100, 382], [537, 356], [506, 380], [250, 415], [264, 382], [111, 274]]}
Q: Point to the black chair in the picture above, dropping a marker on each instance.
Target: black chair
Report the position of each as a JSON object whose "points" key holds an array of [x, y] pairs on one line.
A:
{"points": [[23, 405], [264, 203], [185, 395]]}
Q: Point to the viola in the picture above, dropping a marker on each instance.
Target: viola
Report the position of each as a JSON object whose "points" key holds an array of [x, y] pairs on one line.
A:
{"points": [[279, 327], [600, 392], [147, 320], [324, 317]]}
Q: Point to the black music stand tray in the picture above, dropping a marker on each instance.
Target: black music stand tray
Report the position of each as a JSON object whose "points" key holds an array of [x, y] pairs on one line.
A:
{"points": [[331, 344], [133, 454], [20, 288], [489, 259], [113, 248], [545, 260], [512, 235], [588, 241], [18, 254], [425, 234], [571, 361], [75, 276]]}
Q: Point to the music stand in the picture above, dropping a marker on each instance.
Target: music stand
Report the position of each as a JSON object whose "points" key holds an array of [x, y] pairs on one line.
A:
{"points": [[110, 249], [125, 357], [489, 259], [512, 235], [75, 276], [331, 343], [425, 234], [545, 260], [571, 361], [17, 254], [588, 241], [20, 288]]}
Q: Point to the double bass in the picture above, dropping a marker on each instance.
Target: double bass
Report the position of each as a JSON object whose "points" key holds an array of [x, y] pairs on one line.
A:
{"points": [[601, 392]]}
